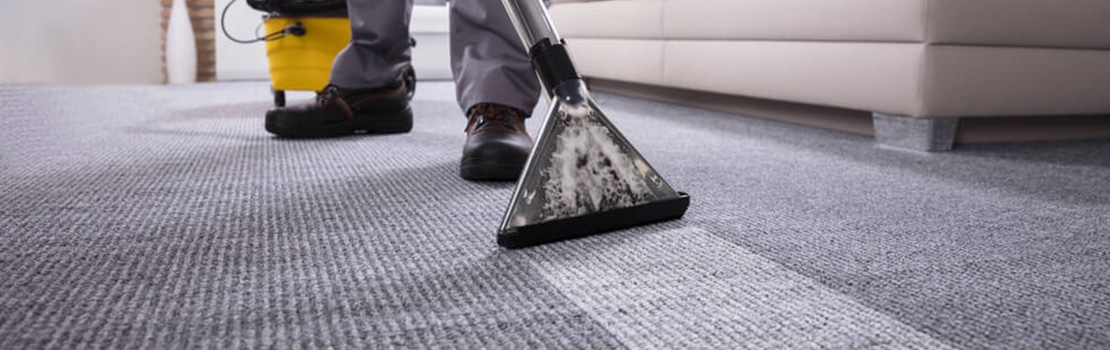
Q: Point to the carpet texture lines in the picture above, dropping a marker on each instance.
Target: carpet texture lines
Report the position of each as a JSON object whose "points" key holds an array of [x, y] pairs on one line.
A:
{"points": [[139, 217]]}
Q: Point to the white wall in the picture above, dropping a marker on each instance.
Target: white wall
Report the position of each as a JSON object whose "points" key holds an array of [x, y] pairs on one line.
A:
{"points": [[80, 41], [431, 58], [234, 61], [239, 61]]}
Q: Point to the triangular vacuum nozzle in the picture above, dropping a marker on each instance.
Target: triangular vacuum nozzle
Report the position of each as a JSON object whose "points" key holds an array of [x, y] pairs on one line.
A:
{"points": [[583, 177]]}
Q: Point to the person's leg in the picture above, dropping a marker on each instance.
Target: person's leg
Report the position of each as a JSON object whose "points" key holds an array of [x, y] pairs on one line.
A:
{"points": [[366, 93], [379, 48], [489, 62], [495, 86]]}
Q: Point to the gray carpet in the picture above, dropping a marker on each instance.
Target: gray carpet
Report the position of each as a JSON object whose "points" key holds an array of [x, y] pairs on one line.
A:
{"points": [[165, 217]]}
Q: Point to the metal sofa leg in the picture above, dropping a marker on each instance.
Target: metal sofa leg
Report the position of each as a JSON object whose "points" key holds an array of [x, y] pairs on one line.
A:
{"points": [[918, 134]]}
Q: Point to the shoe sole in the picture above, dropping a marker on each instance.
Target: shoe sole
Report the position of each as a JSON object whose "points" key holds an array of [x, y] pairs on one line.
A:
{"points": [[394, 123], [491, 169]]}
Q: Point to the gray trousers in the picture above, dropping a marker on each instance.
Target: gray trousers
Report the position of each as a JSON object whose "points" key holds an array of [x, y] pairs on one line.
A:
{"points": [[488, 61]]}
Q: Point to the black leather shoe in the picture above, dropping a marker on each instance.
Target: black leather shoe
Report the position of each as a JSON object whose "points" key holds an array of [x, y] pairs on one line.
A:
{"points": [[339, 112], [497, 144]]}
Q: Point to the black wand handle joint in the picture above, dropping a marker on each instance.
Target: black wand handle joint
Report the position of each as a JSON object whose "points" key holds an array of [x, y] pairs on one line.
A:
{"points": [[552, 63]]}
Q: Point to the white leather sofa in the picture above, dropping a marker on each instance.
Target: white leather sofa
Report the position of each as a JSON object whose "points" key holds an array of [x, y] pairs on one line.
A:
{"points": [[917, 65]]}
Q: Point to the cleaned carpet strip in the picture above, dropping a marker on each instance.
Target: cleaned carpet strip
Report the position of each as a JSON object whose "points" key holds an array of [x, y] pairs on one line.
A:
{"points": [[686, 288]]}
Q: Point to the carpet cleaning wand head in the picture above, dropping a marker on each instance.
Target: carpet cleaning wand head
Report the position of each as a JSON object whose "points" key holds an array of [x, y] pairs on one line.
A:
{"points": [[583, 177]]}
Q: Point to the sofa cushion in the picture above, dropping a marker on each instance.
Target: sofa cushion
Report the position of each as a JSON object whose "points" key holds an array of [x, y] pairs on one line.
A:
{"points": [[867, 76], [801, 20], [635, 61], [1021, 23], [961, 80], [1028, 23], [893, 78], [637, 19]]}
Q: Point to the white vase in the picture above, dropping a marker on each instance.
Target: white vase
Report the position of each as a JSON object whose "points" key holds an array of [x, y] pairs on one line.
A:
{"points": [[181, 46]]}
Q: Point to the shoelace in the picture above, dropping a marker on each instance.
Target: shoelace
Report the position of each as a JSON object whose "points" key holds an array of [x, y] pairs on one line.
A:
{"points": [[484, 113], [330, 95], [326, 95]]}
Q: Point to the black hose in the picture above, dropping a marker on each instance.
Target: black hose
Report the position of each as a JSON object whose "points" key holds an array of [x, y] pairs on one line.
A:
{"points": [[268, 37]]}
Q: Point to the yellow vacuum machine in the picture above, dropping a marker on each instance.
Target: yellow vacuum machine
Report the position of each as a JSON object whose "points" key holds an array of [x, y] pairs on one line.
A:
{"points": [[303, 37]]}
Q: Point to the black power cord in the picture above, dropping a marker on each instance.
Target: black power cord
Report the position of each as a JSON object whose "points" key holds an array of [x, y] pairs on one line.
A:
{"points": [[295, 29]]}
